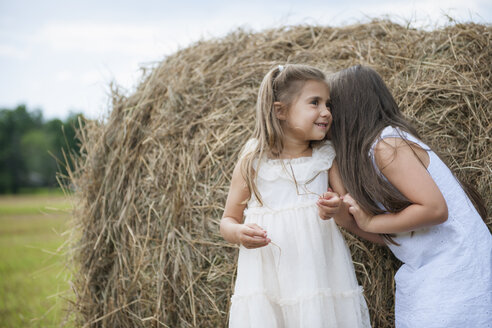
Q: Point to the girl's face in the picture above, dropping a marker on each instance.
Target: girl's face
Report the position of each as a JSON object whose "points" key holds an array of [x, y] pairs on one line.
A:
{"points": [[308, 117]]}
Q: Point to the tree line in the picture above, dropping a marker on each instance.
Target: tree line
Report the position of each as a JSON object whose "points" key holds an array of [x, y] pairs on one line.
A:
{"points": [[31, 148]]}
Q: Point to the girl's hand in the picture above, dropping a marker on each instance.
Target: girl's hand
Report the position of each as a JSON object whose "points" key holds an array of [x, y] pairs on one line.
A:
{"points": [[362, 218], [251, 235], [328, 205]]}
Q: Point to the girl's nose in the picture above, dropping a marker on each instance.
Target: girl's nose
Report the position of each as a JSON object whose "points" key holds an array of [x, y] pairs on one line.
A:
{"points": [[324, 111]]}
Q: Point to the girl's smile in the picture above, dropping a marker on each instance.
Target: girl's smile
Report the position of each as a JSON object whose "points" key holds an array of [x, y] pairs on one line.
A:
{"points": [[323, 125]]}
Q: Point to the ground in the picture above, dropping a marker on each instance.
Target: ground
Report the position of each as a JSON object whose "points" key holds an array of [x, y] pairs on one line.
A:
{"points": [[34, 281]]}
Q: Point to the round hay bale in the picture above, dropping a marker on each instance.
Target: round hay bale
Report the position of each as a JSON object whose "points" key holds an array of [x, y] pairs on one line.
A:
{"points": [[152, 179]]}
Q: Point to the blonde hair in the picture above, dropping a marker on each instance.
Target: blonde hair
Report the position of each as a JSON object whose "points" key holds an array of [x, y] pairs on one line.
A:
{"points": [[282, 84]]}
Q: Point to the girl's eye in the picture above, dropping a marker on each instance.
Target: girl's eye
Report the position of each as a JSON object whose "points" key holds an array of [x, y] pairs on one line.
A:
{"points": [[314, 102]]}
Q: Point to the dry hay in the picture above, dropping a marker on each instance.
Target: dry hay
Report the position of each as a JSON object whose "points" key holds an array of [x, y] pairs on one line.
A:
{"points": [[153, 178]]}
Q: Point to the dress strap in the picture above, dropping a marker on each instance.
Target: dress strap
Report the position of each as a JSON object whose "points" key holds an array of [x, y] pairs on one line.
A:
{"points": [[395, 132]]}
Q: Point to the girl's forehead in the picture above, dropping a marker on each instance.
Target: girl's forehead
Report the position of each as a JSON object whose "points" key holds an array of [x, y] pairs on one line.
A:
{"points": [[315, 87]]}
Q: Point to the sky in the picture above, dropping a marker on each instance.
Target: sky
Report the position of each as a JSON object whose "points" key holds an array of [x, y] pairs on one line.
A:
{"points": [[62, 56]]}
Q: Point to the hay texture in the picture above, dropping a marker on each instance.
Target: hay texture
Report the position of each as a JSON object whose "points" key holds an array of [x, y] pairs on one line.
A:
{"points": [[152, 179]]}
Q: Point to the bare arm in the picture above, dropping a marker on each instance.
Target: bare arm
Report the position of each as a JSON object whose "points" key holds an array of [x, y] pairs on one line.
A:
{"points": [[407, 174], [343, 218], [231, 225]]}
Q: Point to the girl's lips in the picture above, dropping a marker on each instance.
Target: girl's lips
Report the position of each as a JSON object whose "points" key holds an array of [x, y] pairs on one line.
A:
{"points": [[322, 125]]}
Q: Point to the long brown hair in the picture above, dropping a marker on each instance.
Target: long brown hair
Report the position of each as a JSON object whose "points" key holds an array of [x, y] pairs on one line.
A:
{"points": [[362, 106], [283, 84]]}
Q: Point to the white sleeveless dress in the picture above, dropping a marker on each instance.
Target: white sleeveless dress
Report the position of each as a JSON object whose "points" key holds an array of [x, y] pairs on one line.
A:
{"points": [[305, 277], [445, 279]]}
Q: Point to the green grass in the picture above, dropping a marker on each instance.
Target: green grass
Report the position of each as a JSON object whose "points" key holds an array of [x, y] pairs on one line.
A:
{"points": [[33, 204], [33, 279]]}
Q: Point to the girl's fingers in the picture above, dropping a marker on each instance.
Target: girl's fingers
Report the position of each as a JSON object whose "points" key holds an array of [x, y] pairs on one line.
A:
{"points": [[349, 200], [257, 227], [324, 216], [352, 204], [328, 195], [253, 236], [333, 202], [253, 233], [255, 242]]}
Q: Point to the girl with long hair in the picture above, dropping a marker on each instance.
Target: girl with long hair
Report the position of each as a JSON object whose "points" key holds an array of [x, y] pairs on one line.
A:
{"points": [[394, 185]]}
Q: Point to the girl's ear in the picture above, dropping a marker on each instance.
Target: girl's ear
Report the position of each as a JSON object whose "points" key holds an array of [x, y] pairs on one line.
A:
{"points": [[280, 110]]}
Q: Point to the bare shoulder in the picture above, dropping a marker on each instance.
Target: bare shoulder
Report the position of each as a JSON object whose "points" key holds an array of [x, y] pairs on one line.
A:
{"points": [[385, 151], [389, 150]]}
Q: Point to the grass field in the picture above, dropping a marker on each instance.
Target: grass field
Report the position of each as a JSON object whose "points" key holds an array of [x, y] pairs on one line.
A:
{"points": [[33, 279]]}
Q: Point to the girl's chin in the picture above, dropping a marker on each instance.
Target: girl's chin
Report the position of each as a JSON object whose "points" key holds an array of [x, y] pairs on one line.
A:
{"points": [[319, 137]]}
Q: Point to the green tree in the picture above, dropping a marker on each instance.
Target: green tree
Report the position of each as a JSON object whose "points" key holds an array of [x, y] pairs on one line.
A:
{"points": [[31, 149], [41, 167], [62, 136], [13, 125]]}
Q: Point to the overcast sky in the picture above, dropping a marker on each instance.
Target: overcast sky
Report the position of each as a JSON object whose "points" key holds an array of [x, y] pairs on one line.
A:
{"points": [[60, 56]]}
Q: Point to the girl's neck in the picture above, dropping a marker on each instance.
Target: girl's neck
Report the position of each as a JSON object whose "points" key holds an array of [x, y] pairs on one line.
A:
{"points": [[295, 149]]}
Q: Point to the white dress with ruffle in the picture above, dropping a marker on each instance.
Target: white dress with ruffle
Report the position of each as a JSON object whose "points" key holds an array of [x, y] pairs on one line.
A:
{"points": [[305, 277]]}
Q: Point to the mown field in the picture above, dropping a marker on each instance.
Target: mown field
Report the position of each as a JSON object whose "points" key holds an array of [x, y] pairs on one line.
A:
{"points": [[33, 277]]}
